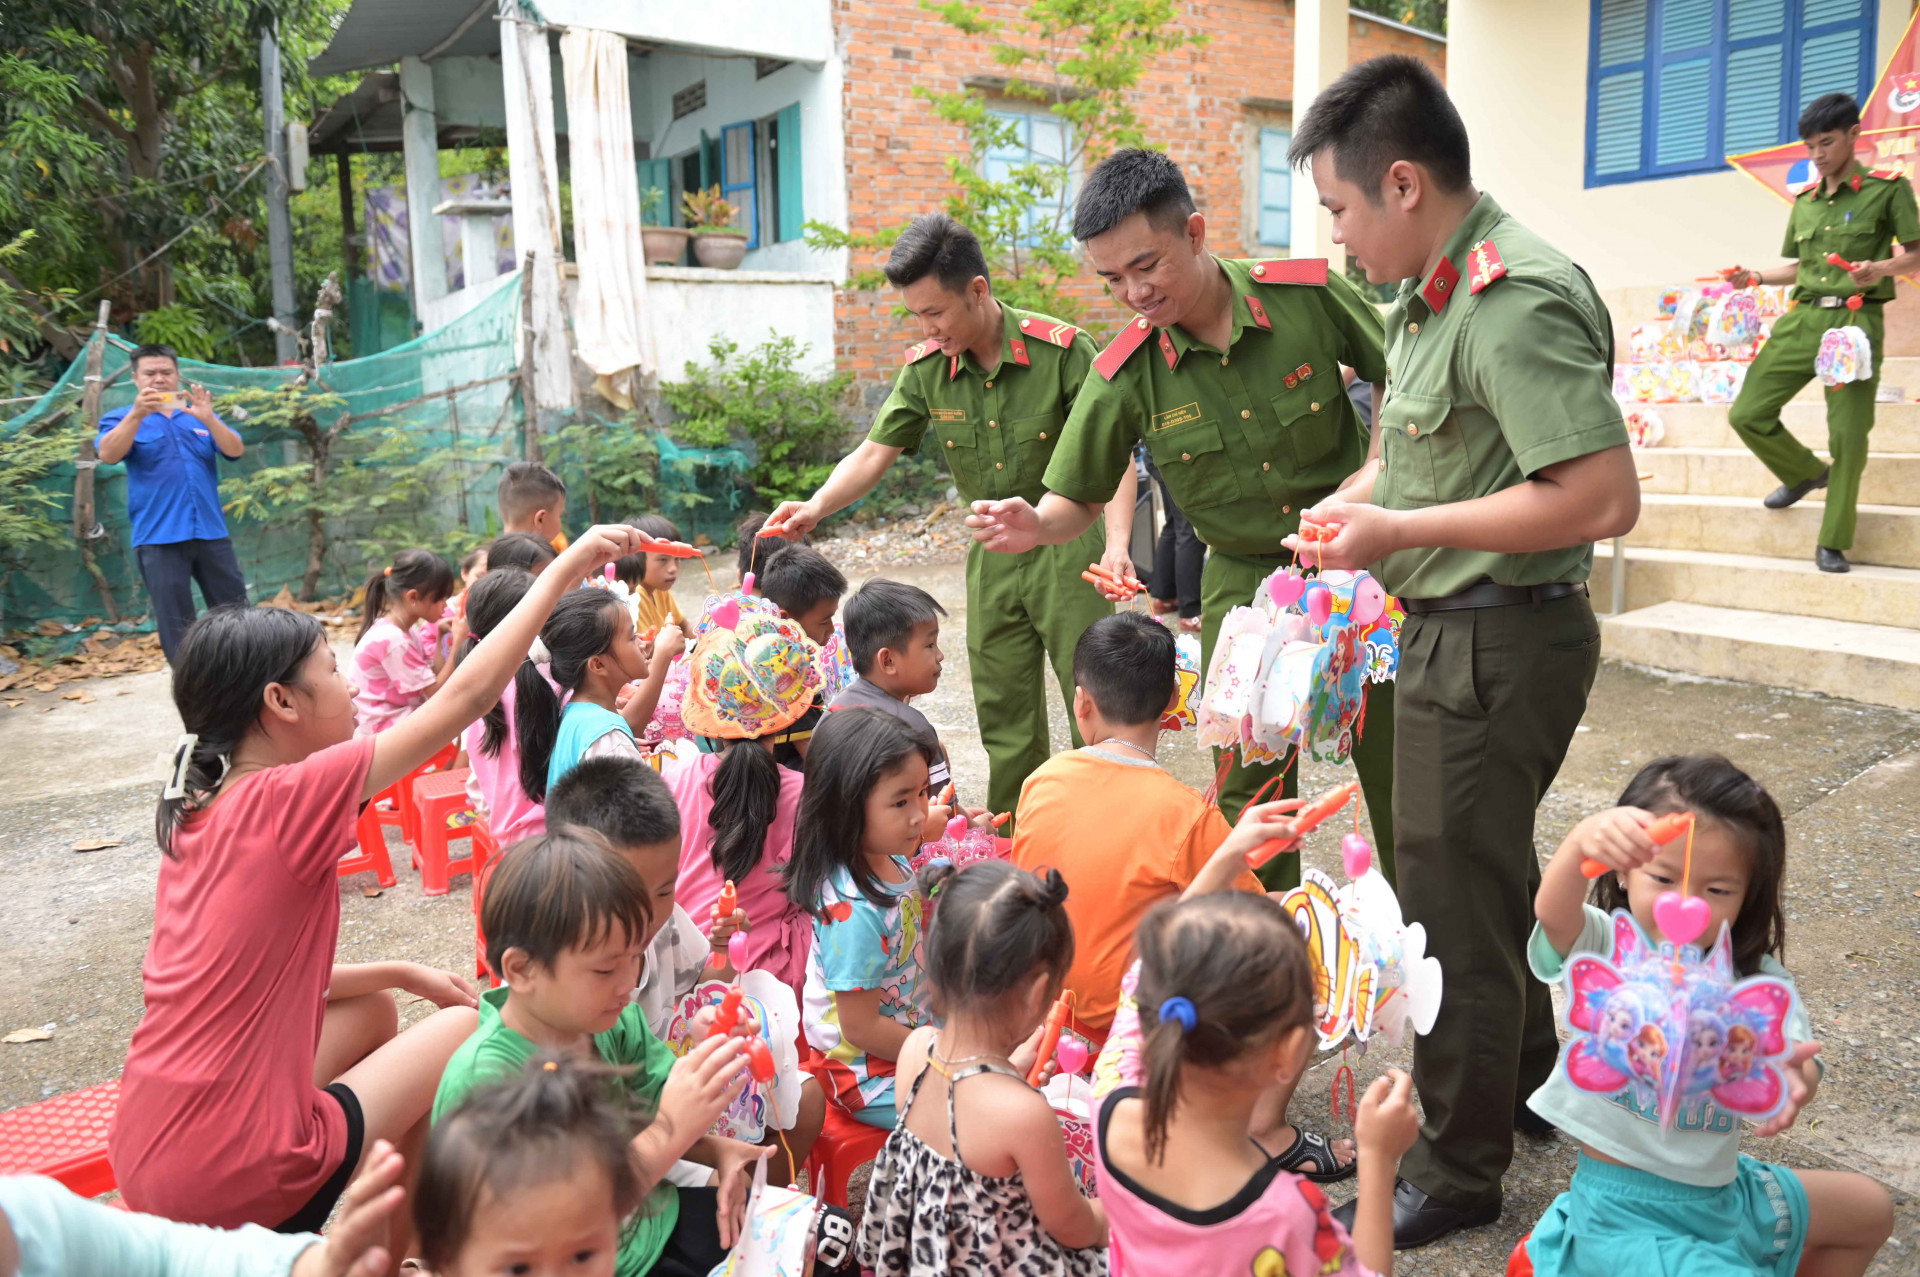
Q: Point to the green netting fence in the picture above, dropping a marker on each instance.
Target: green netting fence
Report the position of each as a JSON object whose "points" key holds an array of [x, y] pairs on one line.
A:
{"points": [[452, 391]]}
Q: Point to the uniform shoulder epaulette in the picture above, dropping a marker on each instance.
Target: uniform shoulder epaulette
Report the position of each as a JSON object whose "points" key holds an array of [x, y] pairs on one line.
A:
{"points": [[1291, 270], [920, 350], [1884, 174], [1484, 266], [1052, 331], [1121, 348]]}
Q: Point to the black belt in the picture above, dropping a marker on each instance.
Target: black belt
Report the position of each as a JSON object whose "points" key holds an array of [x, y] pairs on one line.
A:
{"points": [[1835, 303], [1492, 594]]}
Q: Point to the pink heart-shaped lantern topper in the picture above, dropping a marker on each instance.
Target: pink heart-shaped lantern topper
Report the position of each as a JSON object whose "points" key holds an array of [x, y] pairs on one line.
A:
{"points": [[1071, 1055], [1680, 918], [1356, 855], [1285, 588], [957, 827], [726, 616], [1319, 604], [1369, 601]]}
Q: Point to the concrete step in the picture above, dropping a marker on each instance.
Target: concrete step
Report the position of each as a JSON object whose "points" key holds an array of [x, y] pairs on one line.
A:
{"points": [[1878, 664], [1887, 534], [1891, 478], [1904, 373], [1868, 594], [1896, 426]]}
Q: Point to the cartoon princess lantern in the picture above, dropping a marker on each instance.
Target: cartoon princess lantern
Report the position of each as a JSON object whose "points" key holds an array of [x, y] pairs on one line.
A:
{"points": [[1646, 1053], [1736, 1062]]}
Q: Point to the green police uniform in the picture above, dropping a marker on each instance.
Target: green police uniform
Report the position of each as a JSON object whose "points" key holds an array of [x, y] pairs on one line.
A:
{"points": [[1246, 438], [1493, 376], [1860, 220], [998, 428]]}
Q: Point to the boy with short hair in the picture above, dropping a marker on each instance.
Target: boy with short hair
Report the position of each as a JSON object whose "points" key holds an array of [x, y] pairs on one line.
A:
{"points": [[533, 499], [893, 635], [625, 801], [752, 552], [566, 919], [800, 581]]}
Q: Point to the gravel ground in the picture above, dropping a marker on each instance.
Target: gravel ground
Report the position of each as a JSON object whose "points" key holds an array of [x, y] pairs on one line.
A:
{"points": [[1847, 775]]}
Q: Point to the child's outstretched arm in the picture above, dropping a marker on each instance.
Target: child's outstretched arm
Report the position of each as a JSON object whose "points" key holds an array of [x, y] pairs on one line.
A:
{"points": [[1618, 839], [1258, 826], [1033, 1137], [1385, 1129], [639, 708], [862, 1024], [476, 685]]}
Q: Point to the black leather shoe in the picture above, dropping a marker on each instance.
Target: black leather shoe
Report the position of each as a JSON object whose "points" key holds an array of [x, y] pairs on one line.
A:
{"points": [[1528, 1122], [1783, 496], [1830, 560], [1419, 1220]]}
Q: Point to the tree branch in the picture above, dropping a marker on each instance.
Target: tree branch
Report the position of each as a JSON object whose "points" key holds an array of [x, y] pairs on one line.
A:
{"points": [[103, 117], [168, 99], [64, 343]]}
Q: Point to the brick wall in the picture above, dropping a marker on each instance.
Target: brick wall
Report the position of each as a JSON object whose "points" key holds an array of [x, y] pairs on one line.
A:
{"points": [[1194, 102]]}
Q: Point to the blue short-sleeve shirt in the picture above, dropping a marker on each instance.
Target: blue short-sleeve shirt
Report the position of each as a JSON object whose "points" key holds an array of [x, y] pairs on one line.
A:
{"points": [[173, 479]]}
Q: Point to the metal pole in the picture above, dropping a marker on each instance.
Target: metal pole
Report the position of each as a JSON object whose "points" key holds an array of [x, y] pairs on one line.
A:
{"points": [[347, 231], [1619, 576], [286, 344]]}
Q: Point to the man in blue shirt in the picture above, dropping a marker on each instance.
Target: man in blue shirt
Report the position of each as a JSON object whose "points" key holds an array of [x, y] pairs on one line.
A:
{"points": [[169, 441]]}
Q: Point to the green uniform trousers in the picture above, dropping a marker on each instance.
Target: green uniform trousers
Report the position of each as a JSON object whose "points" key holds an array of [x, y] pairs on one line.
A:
{"points": [[1024, 610], [1784, 365], [1488, 699], [1229, 582]]}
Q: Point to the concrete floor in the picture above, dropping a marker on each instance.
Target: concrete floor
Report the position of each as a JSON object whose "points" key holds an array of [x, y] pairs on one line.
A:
{"points": [[1847, 775]]}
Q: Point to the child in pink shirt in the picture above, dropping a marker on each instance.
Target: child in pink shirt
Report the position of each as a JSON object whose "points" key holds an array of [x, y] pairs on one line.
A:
{"points": [[492, 741], [263, 1071], [1227, 994], [396, 665]]}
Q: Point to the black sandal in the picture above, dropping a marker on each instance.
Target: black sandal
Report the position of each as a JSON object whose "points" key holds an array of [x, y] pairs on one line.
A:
{"points": [[1311, 1157]]}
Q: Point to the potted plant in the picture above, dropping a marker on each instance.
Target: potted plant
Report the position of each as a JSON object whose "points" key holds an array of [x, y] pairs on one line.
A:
{"points": [[663, 245], [716, 241]]}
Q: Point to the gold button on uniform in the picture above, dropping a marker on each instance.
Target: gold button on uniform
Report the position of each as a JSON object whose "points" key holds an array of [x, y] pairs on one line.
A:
{"points": [[949, 443], [1286, 509], [1412, 431], [989, 385], [1245, 413], [1413, 328], [1313, 407], [1043, 434], [1186, 456], [1266, 465], [993, 425], [999, 466], [1260, 269], [1223, 361]]}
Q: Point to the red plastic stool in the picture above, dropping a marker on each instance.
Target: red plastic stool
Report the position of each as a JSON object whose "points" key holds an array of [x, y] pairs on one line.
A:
{"points": [[437, 798], [486, 851], [1520, 1264], [391, 806], [843, 1147], [64, 1137]]}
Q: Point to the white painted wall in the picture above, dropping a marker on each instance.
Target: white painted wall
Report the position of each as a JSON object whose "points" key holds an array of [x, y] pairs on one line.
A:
{"points": [[687, 307], [798, 29], [734, 95], [1517, 69]]}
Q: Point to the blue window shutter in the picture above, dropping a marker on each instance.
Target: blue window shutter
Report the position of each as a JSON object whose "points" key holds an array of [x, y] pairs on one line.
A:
{"points": [[1617, 89], [1755, 97], [1619, 108], [1622, 25], [792, 211], [1681, 119], [737, 161], [1825, 11], [657, 175], [1748, 19], [1276, 188], [1829, 64], [1685, 24]]}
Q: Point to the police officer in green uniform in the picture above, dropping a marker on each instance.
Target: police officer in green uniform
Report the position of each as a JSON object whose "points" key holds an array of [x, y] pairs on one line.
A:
{"points": [[1230, 373], [1500, 457], [1854, 214], [992, 385]]}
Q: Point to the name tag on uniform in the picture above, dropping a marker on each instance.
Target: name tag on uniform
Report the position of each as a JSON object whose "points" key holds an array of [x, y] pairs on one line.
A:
{"points": [[948, 414], [1176, 416]]}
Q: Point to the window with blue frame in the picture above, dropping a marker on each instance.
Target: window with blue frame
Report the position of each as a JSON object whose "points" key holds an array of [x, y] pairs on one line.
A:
{"points": [[1276, 188], [1676, 86], [1039, 137]]}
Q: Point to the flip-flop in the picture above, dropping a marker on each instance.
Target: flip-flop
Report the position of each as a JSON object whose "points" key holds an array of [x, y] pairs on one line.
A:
{"points": [[1310, 1156]]}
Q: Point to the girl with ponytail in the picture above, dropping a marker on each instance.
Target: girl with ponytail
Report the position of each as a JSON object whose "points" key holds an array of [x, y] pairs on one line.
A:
{"points": [[737, 805], [263, 1071], [1003, 1199], [397, 662], [491, 741], [1215, 1022]]}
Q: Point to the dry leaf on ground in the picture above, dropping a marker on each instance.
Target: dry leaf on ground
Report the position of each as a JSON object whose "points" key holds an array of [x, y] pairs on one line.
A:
{"points": [[98, 844], [27, 1035]]}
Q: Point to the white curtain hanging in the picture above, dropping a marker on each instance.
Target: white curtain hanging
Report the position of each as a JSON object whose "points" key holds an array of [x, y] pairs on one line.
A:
{"points": [[609, 320]]}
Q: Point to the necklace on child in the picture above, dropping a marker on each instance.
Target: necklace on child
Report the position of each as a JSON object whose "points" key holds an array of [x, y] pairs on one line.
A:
{"points": [[941, 1066], [1115, 740]]}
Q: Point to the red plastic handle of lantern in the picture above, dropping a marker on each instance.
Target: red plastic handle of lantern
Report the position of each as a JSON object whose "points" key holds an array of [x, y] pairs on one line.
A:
{"points": [[1304, 821], [1050, 1037]]}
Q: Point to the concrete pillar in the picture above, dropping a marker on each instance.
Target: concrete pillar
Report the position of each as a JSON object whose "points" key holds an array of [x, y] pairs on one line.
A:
{"points": [[1319, 56], [420, 145], [526, 73]]}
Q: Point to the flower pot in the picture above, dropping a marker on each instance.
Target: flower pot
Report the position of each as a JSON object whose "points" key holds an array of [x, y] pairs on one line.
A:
{"points": [[663, 245], [721, 250]]}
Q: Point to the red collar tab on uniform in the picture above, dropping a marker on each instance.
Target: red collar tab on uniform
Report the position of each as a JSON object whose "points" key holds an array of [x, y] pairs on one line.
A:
{"points": [[1855, 182], [1486, 266], [1129, 339], [1439, 289], [1019, 349], [1166, 348], [1292, 270], [1258, 312], [953, 367], [1055, 334], [920, 350]]}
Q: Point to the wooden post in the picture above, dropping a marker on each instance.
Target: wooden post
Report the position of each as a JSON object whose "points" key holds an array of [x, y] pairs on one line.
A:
{"points": [[528, 401], [86, 528], [347, 232]]}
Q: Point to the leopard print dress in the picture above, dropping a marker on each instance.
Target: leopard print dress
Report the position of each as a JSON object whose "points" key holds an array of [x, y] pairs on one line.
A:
{"points": [[929, 1215]]}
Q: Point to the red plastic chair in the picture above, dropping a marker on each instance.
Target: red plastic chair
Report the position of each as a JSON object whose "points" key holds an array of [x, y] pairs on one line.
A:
{"points": [[391, 806], [486, 851], [844, 1146], [437, 798], [64, 1137]]}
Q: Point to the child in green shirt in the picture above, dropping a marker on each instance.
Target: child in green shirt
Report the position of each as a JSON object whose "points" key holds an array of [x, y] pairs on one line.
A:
{"points": [[567, 920]]}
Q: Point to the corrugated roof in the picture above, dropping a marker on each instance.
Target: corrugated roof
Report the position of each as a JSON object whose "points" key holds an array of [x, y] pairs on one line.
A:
{"points": [[377, 33]]}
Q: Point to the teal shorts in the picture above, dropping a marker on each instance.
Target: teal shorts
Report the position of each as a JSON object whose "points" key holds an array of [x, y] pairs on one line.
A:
{"points": [[1616, 1220]]}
